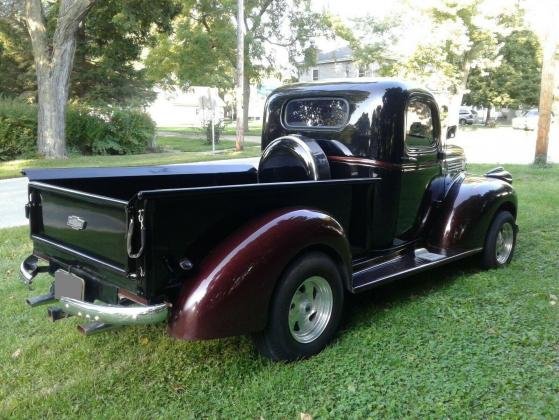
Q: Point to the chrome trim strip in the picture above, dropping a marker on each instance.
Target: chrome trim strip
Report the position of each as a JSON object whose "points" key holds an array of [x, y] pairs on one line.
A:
{"points": [[116, 314], [414, 270], [248, 187], [80, 254], [71, 192]]}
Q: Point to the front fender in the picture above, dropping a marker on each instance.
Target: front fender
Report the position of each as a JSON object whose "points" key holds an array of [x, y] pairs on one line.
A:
{"points": [[467, 211], [232, 290]]}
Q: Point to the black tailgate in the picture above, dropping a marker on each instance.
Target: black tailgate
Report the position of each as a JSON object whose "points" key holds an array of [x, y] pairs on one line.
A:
{"points": [[84, 224]]}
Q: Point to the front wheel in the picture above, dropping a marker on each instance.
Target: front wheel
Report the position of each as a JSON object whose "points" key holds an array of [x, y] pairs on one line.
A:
{"points": [[500, 241], [305, 311]]}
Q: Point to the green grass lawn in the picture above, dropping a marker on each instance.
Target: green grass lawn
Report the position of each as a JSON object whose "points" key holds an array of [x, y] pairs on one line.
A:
{"points": [[185, 144], [455, 342], [254, 129], [176, 152]]}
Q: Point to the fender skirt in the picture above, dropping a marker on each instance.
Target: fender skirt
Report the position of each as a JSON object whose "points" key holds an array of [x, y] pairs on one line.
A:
{"points": [[464, 216], [231, 291]]}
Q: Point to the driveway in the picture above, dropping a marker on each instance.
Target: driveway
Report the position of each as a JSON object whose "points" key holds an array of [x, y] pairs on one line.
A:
{"points": [[482, 145], [13, 197], [503, 144]]}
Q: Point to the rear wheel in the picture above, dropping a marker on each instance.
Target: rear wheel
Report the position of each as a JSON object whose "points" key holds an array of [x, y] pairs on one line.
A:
{"points": [[305, 311], [462, 121], [500, 241]]}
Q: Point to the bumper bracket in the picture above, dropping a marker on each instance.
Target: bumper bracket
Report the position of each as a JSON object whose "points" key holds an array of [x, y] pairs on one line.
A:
{"points": [[29, 268]]}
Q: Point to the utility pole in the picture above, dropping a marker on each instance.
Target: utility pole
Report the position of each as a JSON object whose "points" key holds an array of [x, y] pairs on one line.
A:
{"points": [[239, 142], [546, 91]]}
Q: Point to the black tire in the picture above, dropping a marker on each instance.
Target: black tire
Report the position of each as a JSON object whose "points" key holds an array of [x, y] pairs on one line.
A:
{"points": [[277, 342], [462, 121], [491, 257]]}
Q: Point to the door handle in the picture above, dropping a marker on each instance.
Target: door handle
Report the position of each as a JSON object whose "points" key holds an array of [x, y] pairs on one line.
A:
{"points": [[409, 159]]}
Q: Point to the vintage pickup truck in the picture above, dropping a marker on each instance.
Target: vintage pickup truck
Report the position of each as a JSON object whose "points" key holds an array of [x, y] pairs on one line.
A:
{"points": [[354, 188]]}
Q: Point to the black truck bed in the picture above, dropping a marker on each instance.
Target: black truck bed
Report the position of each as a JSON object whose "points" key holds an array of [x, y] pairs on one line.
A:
{"points": [[124, 182], [187, 210]]}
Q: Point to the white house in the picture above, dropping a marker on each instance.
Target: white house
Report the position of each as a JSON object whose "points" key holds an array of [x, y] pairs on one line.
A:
{"points": [[257, 101], [183, 108], [338, 63]]}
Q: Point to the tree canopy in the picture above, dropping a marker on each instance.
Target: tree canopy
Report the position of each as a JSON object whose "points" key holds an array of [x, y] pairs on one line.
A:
{"points": [[202, 49], [109, 48], [110, 41], [280, 36], [17, 74], [515, 82]]}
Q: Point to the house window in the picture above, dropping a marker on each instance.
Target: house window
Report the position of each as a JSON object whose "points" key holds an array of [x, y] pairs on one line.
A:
{"points": [[315, 74], [361, 71]]}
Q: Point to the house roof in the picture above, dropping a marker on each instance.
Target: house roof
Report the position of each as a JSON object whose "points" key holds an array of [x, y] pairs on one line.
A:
{"points": [[337, 55]]}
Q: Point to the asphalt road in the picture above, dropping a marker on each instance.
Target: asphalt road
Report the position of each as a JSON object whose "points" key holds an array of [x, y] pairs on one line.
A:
{"points": [[497, 145], [13, 196]]}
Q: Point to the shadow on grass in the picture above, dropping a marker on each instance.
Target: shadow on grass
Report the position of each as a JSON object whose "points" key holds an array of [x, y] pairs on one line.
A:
{"points": [[401, 291]]}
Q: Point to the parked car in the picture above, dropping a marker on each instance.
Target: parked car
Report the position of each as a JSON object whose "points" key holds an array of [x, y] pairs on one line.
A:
{"points": [[528, 120], [355, 188], [466, 117]]}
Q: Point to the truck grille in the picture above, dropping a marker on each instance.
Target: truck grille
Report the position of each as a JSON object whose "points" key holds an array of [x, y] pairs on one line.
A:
{"points": [[454, 165]]}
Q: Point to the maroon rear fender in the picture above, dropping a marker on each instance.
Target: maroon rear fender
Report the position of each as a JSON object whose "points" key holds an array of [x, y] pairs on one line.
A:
{"points": [[232, 290]]}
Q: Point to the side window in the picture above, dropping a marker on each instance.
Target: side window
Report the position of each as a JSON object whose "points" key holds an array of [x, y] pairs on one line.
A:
{"points": [[419, 127]]}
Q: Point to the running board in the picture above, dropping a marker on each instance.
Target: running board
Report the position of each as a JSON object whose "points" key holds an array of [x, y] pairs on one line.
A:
{"points": [[402, 266]]}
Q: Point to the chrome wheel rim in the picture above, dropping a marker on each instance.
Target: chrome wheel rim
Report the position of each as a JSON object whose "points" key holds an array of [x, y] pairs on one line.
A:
{"points": [[310, 309], [504, 243]]}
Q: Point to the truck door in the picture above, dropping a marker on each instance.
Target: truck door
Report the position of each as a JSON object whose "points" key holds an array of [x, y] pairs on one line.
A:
{"points": [[420, 163]]}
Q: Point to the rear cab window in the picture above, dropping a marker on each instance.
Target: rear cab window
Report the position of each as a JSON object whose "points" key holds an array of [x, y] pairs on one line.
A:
{"points": [[316, 113]]}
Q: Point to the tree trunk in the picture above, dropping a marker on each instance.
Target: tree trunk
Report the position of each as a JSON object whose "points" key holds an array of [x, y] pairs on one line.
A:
{"points": [[456, 100], [53, 96], [240, 139], [51, 139], [546, 96], [53, 65], [246, 101], [488, 115]]}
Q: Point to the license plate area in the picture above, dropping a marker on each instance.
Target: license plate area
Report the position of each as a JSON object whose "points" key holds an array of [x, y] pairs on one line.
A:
{"points": [[68, 285]]}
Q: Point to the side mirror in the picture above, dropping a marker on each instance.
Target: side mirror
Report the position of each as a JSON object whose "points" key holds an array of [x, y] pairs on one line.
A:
{"points": [[451, 132]]}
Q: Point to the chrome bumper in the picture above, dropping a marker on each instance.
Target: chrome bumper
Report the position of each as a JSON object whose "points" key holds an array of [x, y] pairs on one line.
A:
{"points": [[115, 314]]}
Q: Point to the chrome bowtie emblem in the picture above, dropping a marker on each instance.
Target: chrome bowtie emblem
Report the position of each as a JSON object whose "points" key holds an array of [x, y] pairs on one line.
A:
{"points": [[76, 223]]}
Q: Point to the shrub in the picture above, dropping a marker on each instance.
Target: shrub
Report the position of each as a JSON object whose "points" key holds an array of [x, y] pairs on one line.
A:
{"points": [[88, 131], [132, 131], [18, 129], [108, 131], [218, 129]]}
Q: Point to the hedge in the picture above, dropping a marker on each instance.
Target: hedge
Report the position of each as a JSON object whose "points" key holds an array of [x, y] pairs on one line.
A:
{"points": [[88, 131], [18, 129]]}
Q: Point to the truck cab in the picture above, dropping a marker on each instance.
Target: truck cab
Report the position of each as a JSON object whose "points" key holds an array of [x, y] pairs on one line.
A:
{"points": [[373, 128]]}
